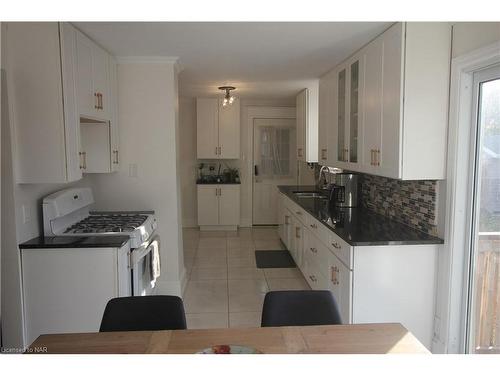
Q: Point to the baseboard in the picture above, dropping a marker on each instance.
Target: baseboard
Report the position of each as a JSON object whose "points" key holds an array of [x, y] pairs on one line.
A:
{"points": [[245, 223], [218, 227], [189, 223], [184, 280]]}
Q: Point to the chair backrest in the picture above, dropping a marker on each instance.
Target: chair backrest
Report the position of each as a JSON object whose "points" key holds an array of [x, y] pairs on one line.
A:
{"points": [[143, 313], [300, 308]]}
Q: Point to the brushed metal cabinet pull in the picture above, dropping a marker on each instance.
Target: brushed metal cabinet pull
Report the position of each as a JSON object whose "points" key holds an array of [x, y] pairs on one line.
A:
{"points": [[96, 100]]}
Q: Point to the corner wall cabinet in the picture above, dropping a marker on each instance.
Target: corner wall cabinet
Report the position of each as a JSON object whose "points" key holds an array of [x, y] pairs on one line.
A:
{"points": [[218, 129], [391, 105], [219, 206], [371, 284]]}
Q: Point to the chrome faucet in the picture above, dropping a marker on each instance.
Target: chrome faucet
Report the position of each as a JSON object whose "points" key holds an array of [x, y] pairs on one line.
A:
{"points": [[319, 184]]}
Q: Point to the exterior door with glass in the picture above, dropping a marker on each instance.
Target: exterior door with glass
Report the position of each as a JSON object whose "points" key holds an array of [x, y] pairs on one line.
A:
{"points": [[275, 163], [483, 301]]}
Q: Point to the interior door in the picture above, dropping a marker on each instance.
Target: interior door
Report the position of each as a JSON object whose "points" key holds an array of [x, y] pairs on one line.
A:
{"points": [[275, 162]]}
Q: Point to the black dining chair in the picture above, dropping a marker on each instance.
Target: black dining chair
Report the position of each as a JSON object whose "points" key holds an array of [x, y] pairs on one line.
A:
{"points": [[300, 308], [145, 313]]}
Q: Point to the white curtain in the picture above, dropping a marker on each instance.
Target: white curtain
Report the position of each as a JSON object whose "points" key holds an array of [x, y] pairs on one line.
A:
{"points": [[274, 152]]}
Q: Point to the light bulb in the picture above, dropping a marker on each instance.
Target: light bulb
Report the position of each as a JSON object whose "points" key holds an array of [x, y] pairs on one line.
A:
{"points": [[231, 100]]}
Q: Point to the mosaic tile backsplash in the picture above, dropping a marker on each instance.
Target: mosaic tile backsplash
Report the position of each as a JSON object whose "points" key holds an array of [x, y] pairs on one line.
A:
{"points": [[410, 202]]}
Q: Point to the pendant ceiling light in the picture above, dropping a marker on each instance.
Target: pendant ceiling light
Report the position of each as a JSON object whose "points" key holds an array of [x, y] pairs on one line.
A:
{"points": [[228, 98]]}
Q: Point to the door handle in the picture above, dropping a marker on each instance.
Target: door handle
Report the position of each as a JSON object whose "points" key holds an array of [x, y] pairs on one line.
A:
{"points": [[256, 170]]}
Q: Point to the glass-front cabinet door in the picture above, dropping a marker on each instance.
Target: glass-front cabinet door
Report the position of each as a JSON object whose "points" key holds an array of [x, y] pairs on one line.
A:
{"points": [[341, 114], [354, 76]]}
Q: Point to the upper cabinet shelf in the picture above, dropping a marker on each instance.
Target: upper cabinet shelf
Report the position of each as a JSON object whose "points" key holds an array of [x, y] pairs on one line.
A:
{"points": [[384, 110], [218, 129]]}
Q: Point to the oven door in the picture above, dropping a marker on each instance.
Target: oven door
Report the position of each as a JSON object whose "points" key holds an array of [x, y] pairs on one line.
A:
{"points": [[143, 282]]}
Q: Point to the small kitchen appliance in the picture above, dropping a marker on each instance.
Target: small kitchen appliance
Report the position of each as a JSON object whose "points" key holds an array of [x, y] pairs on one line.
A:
{"points": [[344, 192]]}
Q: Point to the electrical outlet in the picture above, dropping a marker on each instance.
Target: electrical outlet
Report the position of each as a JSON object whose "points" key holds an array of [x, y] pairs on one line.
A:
{"points": [[26, 214], [132, 170]]}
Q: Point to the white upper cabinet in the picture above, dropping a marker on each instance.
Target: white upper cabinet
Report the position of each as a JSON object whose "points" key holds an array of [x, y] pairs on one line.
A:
{"points": [[229, 130], [307, 107], [97, 107], [113, 116], [396, 124], [372, 114], [93, 79], [41, 84], [218, 129]]}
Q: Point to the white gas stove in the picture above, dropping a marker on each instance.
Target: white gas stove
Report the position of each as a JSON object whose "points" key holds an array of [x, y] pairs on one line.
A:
{"points": [[67, 213]]}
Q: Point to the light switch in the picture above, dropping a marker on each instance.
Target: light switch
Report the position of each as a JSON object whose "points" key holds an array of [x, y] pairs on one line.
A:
{"points": [[132, 170], [26, 214]]}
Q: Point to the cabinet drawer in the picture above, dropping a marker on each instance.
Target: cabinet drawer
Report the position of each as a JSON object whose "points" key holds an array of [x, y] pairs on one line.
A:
{"points": [[315, 279], [316, 253], [299, 213], [319, 230], [341, 249]]}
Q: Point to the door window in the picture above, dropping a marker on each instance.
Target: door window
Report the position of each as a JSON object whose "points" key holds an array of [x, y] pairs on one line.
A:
{"points": [[484, 287]]}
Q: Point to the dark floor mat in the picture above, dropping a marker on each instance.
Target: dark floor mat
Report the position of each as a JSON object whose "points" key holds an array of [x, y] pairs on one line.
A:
{"points": [[274, 259]]}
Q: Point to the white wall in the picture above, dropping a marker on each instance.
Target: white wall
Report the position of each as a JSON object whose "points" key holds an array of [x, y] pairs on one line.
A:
{"points": [[187, 126], [468, 36], [147, 106]]}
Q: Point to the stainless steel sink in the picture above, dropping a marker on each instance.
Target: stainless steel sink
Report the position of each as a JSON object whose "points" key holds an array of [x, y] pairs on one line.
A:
{"points": [[309, 194]]}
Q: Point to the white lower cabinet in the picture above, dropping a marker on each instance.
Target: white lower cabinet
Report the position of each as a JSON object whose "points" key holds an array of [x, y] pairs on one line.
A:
{"points": [[371, 284], [218, 207]]}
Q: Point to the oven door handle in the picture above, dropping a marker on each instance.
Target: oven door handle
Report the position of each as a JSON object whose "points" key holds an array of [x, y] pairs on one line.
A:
{"points": [[137, 254]]}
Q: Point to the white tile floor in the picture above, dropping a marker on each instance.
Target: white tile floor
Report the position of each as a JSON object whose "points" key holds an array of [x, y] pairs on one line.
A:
{"points": [[225, 288]]}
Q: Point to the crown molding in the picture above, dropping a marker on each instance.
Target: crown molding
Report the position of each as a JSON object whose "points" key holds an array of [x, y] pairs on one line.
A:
{"points": [[147, 59]]}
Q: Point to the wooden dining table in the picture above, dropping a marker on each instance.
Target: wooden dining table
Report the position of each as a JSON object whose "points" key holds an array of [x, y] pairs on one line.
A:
{"points": [[335, 339]]}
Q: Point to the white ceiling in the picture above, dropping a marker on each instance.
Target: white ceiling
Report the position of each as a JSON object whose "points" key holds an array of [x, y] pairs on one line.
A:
{"points": [[261, 59]]}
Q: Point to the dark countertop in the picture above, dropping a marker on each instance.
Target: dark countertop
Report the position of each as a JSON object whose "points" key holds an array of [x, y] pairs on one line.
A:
{"points": [[359, 226], [217, 183], [65, 242]]}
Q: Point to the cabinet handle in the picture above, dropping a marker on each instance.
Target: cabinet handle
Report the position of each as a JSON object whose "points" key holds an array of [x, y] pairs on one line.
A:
{"points": [[287, 218], [314, 226], [334, 275], [80, 156], [377, 157], [313, 249], [336, 245], [216, 150], [100, 101], [371, 157], [115, 153], [96, 100], [299, 152], [220, 150], [313, 278], [117, 159], [297, 232], [298, 212], [84, 156]]}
